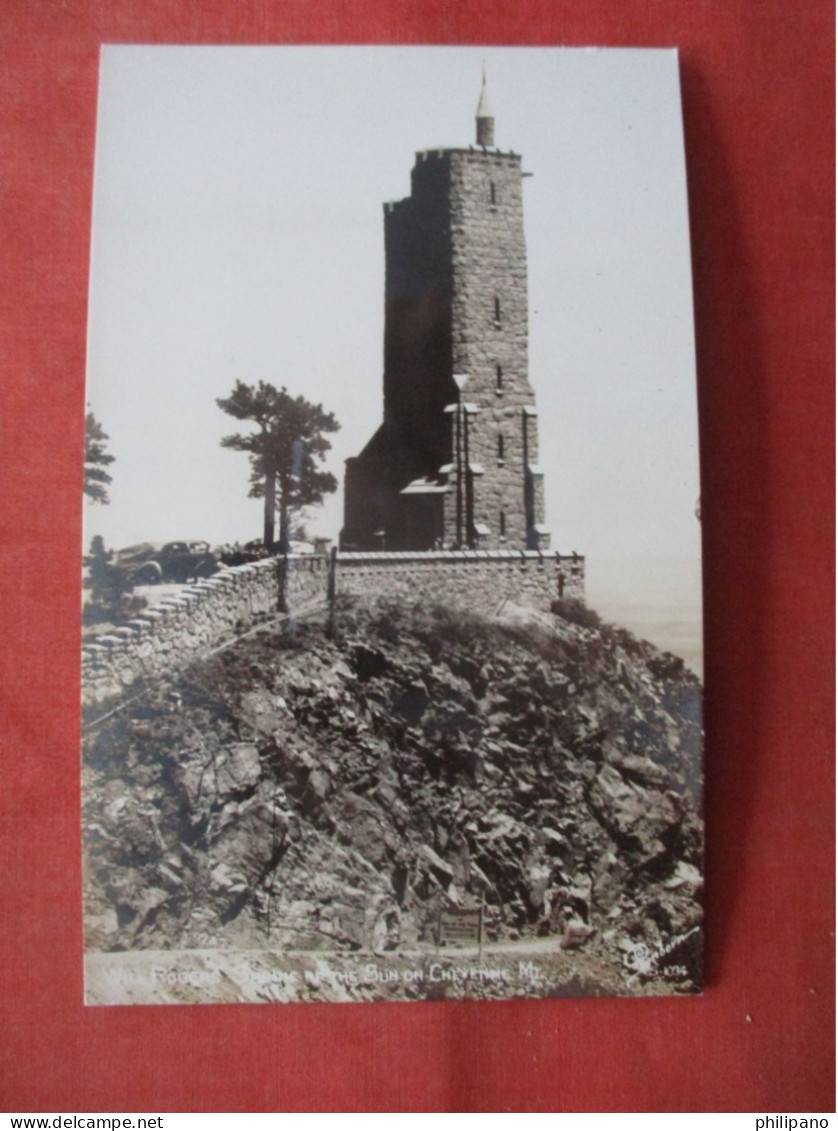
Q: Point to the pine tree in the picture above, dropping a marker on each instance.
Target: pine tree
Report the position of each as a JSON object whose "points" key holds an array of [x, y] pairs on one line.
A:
{"points": [[96, 459], [285, 452]]}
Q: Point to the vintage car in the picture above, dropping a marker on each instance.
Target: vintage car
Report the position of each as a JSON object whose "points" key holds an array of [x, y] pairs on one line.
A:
{"points": [[148, 564]]}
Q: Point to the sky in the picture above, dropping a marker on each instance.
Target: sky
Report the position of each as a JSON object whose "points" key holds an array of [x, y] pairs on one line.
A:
{"points": [[238, 235]]}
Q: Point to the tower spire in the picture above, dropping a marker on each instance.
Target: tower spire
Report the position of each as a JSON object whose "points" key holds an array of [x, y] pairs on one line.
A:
{"points": [[484, 117]]}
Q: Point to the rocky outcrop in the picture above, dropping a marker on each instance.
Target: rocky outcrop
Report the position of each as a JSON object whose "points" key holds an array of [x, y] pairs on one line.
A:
{"points": [[306, 791]]}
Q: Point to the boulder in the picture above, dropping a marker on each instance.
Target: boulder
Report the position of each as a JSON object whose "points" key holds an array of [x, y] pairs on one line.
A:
{"points": [[444, 872], [577, 934], [641, 817]]}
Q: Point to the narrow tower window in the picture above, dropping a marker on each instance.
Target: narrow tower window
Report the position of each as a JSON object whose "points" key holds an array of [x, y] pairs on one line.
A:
{"points": [[503, 524], [492, 193], [498, 379], [500, 451], [497, 309]]}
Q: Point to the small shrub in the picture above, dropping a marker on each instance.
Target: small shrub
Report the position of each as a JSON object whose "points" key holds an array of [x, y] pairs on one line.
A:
{"points": [[575, 611], [666, 666], [112, 599]]}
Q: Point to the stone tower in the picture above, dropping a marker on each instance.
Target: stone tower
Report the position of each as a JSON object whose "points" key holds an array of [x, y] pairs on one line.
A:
{"points": [[455, 462]]}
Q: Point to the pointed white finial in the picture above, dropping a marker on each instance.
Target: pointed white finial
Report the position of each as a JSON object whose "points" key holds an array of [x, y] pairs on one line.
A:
{"points": [[484, 110], [484, 117]]}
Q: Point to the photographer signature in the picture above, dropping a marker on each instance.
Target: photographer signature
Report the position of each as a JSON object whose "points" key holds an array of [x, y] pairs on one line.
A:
{"points": [[640, 959]]}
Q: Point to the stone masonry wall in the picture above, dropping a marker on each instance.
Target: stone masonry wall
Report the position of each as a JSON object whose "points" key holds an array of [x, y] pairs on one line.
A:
{"points": [[170, 635], [489, 338], [458, 403], [481, 581], [307, 580]]}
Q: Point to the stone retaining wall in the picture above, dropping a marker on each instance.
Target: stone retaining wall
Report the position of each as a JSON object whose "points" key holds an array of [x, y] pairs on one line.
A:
{"points": [[172, 634], [177, 631], [307, 580], [479, 580]]}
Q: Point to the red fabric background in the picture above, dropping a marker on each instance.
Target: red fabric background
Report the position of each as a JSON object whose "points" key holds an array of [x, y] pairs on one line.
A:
{"points": [[759, 116]]}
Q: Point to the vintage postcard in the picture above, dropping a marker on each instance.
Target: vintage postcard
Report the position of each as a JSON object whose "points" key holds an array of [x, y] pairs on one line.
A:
{"points": [[392, 656]]}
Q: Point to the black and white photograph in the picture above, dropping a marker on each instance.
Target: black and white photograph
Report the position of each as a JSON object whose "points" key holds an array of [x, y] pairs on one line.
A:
{"points": [[391, 584]]}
